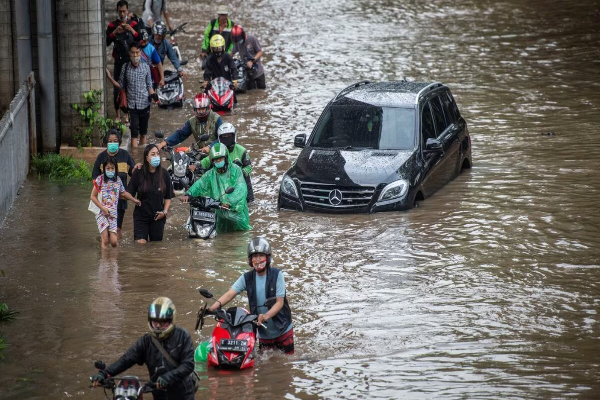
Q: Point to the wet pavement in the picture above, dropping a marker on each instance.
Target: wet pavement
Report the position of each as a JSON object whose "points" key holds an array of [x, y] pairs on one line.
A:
{"points": [[490, 289]]}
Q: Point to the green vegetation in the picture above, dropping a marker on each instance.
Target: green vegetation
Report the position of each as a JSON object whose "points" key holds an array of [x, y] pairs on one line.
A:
{"points": [[96, 126], [6, 315], [61, 168]]}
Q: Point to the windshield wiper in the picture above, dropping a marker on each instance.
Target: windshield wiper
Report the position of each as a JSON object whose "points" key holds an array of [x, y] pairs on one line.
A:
{"points": [[355, 148]]}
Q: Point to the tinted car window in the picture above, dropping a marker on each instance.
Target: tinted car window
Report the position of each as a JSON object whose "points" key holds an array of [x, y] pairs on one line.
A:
{"points": [[365, 126], [427, 128], [448, 108], [438, 115], [454, 106]]}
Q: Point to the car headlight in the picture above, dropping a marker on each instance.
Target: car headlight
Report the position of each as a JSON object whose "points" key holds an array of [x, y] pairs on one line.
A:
{"points": [[394, 190], [289, 187]]}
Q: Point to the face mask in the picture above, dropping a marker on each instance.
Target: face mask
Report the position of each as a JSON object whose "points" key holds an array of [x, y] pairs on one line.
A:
{"points": [[155, 161], [113, 147], [227, 141], [135, 60], [220, 164], [110, 174]]}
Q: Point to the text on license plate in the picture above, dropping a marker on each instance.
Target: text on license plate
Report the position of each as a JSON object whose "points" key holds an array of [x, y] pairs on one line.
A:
{"points": [[204, 215], [234, 345]]}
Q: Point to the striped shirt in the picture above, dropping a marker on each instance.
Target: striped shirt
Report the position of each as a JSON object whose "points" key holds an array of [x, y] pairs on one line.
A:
{"points": [[138, 83]]}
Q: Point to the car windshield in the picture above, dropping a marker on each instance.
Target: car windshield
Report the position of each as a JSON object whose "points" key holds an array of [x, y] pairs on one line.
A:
{"points": [[359, 126]]}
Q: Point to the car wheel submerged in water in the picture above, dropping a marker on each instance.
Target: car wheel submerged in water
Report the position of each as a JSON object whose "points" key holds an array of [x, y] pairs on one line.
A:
{"points": [[378, 147]]}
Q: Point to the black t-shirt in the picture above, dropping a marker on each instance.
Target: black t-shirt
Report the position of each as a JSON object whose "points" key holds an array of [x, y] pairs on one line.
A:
{"points": [[125, 165], [153, 199], [225, 68]]}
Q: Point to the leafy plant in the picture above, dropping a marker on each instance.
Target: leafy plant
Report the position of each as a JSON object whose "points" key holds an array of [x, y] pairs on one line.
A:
{"points": [[61, 168], [6, 314], [95, 125]]}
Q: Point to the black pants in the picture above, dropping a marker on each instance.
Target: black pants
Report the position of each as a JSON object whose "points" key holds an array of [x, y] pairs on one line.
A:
{"points": [[257, 83], [138, 121], [120, 216], [116, 76], [250, 195], [147, 228]]}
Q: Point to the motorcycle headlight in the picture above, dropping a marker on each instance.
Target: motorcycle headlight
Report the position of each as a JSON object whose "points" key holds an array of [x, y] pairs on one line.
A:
{"points": [[179, 170], [203, 232], [394, 190], [289, 187]]}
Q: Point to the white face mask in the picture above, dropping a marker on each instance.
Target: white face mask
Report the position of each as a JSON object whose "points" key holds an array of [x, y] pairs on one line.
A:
{"points": [[135, 60]]}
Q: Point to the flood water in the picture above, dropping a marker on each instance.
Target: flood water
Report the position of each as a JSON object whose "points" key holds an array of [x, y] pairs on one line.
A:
{"points": [[489, 289]]}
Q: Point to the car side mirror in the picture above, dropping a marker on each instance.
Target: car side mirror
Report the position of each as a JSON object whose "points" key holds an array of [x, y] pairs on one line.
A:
{"points": [[433, 146], [204, 138], [206, 293], [159, 134], [300, 140]]}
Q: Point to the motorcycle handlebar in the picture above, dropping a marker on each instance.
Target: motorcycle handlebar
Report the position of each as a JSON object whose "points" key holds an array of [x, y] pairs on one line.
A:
{"points": [[178, 29]]}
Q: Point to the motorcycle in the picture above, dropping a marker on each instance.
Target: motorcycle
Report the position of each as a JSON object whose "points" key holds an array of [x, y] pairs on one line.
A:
{"points": [[202, 222], [184, 161], [173, 92], [233, 340], [172, 33], [221, 95], [125, 387], [244, 74]]}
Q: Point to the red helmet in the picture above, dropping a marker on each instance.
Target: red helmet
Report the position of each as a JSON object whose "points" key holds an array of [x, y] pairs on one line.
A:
{"points": [[201, 105], [237, 34]]}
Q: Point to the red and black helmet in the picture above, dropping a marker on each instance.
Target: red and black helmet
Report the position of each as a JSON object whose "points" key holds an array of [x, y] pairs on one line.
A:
{"points": [[201, 105], [237, 34]]}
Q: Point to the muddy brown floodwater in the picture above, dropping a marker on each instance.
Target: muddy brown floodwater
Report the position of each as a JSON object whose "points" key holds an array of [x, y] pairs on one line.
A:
{"points": [[490, 289]]}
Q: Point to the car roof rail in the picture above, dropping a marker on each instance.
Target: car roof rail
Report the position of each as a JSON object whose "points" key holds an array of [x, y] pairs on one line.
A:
{"points": [[428, 88], [351, 87]]}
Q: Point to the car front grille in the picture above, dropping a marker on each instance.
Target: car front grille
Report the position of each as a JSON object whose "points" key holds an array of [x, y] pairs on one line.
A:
{"points": [[335, 196]]}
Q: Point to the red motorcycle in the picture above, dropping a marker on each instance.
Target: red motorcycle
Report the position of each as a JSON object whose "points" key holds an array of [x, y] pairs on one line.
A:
{"points": [[233, 340], [221, 94]]}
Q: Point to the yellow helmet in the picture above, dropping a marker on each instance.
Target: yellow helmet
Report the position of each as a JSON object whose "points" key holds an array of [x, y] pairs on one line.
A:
{"points": [[217, 44]]}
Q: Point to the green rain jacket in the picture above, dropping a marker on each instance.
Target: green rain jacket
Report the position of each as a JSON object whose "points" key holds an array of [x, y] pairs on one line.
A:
{"points": [[213, 184]]}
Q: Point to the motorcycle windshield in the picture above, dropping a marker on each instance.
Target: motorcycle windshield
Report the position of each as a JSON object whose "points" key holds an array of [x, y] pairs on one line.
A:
{"points": [[220, 86]]}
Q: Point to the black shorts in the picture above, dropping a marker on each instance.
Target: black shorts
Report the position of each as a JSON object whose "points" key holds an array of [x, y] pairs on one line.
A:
{"points": [[257, 83], [148, 229]]}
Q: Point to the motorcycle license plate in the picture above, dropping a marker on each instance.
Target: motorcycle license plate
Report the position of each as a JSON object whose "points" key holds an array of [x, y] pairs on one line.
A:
{"points": [[234, 345], [204, 215]]}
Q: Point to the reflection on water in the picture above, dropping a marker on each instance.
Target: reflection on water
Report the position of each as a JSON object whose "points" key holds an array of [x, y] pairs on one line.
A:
{"points": [[489, 289]]}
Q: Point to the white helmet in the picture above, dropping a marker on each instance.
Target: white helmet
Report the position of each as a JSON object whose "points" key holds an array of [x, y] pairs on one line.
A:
{"points": [[229, 130]]}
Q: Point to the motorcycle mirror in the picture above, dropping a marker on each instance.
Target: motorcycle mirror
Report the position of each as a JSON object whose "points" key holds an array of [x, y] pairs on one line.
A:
{"points": [[159, 134], [204, 138], [206, 293], [229, 190], [100, 365], [270, 302]]}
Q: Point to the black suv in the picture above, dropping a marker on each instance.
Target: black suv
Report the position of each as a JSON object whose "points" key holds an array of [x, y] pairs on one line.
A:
{"points": [[378, 147]]}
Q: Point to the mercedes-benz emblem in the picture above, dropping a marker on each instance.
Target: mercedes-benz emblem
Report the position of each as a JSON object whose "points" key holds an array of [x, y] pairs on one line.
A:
{"points": [[335, 197]]}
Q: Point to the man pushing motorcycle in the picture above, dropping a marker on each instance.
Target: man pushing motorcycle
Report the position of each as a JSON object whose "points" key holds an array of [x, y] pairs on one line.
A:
{"points": [[204, 121], [261, 283], [233, 216], [168, 352]]}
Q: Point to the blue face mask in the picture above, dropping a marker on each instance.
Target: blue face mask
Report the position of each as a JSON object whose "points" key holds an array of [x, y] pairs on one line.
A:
{"points": [[110, 174], [220, 164], [155, 161], [113, 147]]}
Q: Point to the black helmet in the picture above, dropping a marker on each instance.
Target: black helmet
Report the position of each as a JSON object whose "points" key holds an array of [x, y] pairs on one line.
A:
{"points": [[259, 245]]}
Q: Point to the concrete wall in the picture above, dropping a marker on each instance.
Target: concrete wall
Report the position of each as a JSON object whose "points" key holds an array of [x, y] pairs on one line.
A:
{"points": [[80, 41], [7, 69], [14, 146]]}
